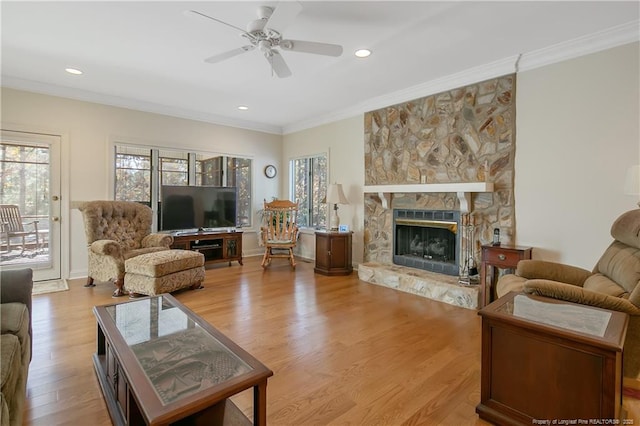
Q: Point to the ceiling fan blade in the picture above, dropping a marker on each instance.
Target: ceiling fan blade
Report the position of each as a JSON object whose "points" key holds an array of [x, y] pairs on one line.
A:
{"points": [[230, 54], [284, 13], [278, 65], [201, 15], [312, 47]]}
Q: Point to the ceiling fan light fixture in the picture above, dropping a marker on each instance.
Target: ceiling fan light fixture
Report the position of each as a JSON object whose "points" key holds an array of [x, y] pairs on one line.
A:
{"points": [[73, 71], [362, 53], [265, 46]]}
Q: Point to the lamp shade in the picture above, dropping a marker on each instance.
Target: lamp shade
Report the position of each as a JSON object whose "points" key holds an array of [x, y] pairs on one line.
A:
{"points": [[335, 195], [632, 182]]}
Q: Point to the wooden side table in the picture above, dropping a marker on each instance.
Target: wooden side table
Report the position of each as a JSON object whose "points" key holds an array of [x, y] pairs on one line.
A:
{"points": [[333, 253], [550, 359], [503, 256]]}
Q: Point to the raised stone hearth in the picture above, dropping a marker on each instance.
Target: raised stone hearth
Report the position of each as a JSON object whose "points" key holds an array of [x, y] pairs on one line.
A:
{"points": [[443, 288]]}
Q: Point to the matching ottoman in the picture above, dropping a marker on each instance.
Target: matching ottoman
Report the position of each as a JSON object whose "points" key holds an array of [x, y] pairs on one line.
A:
{"points": [[163, 272]]}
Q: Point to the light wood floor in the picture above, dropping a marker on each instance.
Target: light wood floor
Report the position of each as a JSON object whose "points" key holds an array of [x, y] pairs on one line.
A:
{"points": [[342, 351]]}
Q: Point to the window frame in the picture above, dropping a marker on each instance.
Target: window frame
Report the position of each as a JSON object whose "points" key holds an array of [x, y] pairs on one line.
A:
{"points": [[192, 175], [312, 224]]}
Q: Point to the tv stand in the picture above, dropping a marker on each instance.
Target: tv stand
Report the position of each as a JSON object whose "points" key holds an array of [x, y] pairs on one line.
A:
{"points": [[216, 246]]}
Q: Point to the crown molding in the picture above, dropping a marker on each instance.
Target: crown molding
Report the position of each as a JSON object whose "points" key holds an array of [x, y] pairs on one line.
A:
{"points": [[472, 75], [116, 101], [585, 45], [591, 43]]}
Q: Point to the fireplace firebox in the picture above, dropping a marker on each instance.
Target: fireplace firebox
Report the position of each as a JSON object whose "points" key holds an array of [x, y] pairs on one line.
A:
{"points": [[427, 239]]}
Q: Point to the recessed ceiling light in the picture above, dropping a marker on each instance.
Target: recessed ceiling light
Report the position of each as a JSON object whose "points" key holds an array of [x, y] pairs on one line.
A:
{"points": [[243, 107], [363, 53], [73, 71]]}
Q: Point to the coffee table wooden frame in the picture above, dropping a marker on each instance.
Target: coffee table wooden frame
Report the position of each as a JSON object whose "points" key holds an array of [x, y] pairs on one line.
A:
{"points": [[131, 398]]}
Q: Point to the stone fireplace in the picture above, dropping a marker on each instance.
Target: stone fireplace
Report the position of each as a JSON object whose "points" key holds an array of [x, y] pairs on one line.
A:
{"points": [[417, 156], [427, 239]]}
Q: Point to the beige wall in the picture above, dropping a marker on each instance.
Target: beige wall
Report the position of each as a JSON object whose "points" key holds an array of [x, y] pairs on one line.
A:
{"points": [[577, 133], [343, 141], [89, 132]]}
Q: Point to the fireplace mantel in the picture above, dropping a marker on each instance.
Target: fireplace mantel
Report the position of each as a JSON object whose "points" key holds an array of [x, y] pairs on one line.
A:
{"points": [[463, 189]]}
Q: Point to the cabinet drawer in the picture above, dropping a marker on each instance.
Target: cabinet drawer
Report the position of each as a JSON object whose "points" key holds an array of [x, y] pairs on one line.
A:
{"points": [[499, 257]]}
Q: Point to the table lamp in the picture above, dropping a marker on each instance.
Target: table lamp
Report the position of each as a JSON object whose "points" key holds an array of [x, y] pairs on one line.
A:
{"points": [[335, 196]]}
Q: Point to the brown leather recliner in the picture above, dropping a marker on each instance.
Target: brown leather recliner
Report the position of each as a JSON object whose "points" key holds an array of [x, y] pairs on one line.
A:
{"points": [[117, 231], [612, 284]]}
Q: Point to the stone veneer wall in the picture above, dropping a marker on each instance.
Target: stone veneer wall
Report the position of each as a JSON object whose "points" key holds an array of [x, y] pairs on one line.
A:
{"points": [[461, 135]]}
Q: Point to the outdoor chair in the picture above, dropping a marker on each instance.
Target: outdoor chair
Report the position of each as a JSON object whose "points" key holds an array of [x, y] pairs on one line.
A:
{"points": [[279, 231], [12, 226]]}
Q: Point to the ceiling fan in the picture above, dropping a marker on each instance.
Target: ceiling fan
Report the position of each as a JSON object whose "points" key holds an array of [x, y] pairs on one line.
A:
{"points": [[265, 34]]}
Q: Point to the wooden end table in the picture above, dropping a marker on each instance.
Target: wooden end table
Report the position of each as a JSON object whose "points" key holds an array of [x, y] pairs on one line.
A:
{"points": [[503, 256], [546, 359], [159, 363], [333, 253]]}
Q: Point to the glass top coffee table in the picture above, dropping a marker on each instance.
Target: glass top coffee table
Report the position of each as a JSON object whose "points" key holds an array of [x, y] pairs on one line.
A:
{"points": [[158, 362]]}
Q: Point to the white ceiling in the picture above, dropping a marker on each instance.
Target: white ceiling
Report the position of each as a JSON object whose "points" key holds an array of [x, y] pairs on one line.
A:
{"points": [[149, 55]]}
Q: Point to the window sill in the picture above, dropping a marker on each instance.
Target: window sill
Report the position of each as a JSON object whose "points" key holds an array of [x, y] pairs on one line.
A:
{"points": [[307, 231]]}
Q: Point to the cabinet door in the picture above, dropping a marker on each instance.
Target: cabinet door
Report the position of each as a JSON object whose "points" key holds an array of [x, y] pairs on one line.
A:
{"points": [[322, 251], [338, 251], [231, 247]]}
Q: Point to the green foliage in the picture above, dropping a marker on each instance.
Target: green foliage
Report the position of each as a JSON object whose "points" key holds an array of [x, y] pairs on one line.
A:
{"points": [[24, 178]]}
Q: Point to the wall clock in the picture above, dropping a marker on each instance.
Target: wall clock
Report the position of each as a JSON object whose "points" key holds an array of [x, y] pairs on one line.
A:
{"points": [[270, 171]]}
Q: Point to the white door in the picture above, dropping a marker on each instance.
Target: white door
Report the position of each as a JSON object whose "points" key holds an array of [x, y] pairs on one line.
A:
{"points": [[30, 203]]}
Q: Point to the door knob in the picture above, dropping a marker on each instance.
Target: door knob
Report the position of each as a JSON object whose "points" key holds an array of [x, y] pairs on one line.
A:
{"points": [[55, 198], [55, 218]]}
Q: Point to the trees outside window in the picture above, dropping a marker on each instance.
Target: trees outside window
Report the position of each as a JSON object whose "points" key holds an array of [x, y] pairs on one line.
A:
{"points": [[308, 187], [24, 179], [133, 174]]}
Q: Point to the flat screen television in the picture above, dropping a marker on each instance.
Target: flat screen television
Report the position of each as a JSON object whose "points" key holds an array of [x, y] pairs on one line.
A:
{"points": [[189, 208]]}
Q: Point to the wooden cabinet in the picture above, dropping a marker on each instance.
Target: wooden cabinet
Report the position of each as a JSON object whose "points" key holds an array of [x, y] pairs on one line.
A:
{"points": [[333, 253], [215, 246], [503, 256], [548, 359]]}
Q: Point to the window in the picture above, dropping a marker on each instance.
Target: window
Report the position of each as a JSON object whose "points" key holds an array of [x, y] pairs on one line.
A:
{"points": [[309, 189], [174, 168], [228, 171], [135, 175]]}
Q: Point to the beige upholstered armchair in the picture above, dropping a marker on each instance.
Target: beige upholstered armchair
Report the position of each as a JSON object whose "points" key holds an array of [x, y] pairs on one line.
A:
{"points": [[117, 231], [612, 284]]}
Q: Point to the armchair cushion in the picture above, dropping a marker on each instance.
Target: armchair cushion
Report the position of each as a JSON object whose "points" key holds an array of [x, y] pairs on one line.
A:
{"points": [[603, 284], [10, 365], [531, 269], [107, 248], [575, 294], [157, 240], [621, 263], [14, 317]]}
